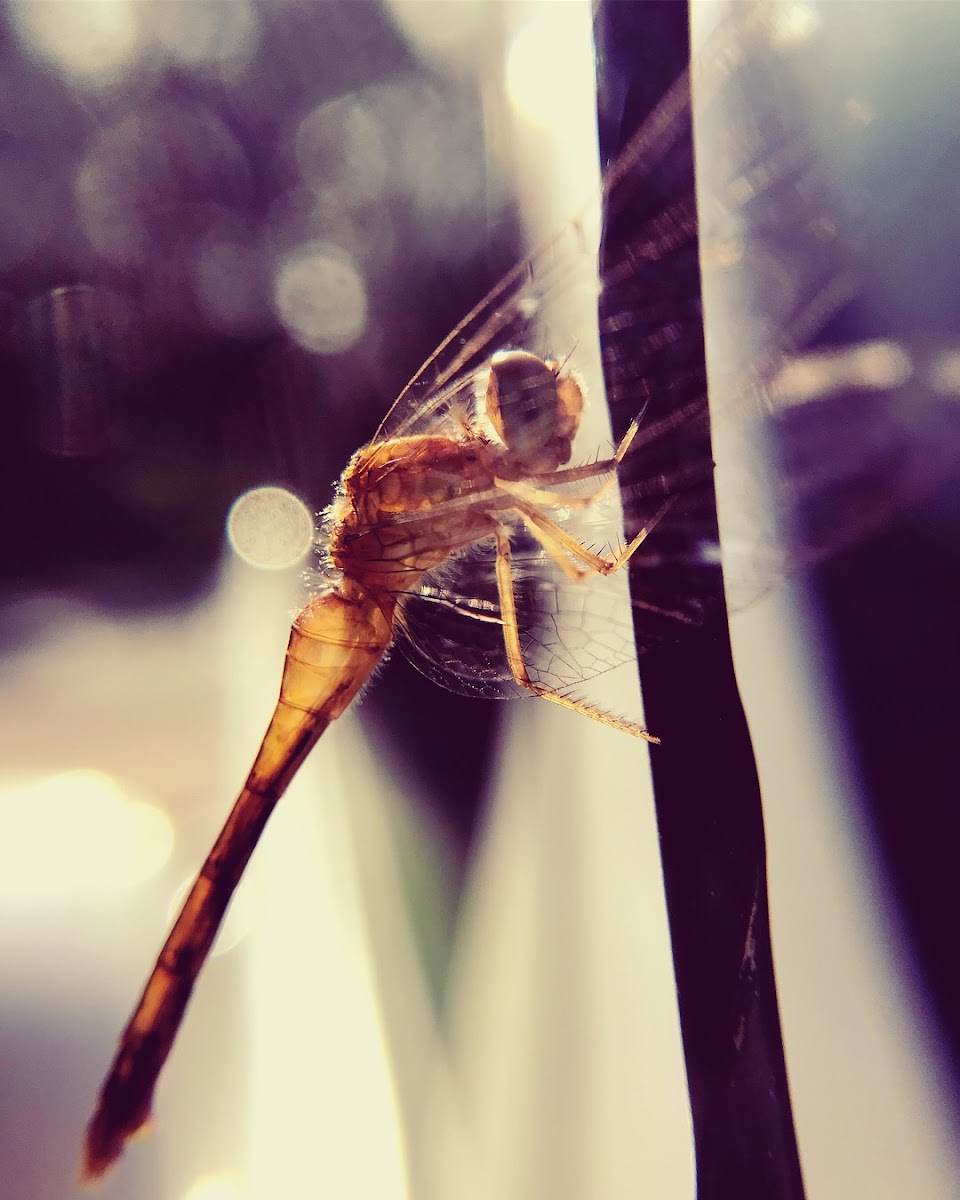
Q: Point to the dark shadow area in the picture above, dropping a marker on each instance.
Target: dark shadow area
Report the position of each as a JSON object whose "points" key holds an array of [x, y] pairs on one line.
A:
{"points": [[705, 782]]}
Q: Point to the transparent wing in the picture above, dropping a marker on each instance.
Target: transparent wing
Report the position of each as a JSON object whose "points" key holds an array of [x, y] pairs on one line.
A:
{"points": [[570, 632], [773, 244], [519, 312], [443, 391], [789, 238]]}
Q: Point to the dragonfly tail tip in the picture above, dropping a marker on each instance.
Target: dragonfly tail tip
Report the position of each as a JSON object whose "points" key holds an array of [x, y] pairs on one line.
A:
{"points": [[104, 1144]]}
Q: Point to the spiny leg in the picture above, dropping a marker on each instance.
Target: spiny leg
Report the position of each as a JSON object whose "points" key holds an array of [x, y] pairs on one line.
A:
{"points": [[563, 546], [539, 483], [534, 493], [605, 466], [543, 498], [518, 668]]}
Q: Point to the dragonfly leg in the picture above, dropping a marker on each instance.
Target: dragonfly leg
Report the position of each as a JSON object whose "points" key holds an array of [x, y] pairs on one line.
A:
{"points": [[543, 498], [566, 551], [511, 639], [604, 466]]}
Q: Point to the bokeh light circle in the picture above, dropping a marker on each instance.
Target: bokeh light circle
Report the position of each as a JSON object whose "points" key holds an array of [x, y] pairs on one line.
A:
{"points": [[270, 528], [321, 299]]}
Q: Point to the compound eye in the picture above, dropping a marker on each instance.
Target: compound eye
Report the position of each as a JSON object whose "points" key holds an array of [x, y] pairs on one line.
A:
{"points": [[522, 402]]}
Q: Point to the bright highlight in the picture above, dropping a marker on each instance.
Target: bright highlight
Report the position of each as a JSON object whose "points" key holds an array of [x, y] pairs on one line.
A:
{"points": [[551, 78], [217, 1185], [77, 832], [270, 528], [94, 42]]}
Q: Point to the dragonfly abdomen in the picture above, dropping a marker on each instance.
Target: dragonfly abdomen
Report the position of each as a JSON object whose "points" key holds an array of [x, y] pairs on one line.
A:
{"points": [[335, 644]]}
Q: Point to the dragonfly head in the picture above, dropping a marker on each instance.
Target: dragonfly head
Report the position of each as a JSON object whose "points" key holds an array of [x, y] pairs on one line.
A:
{"points": [[534, 409]]}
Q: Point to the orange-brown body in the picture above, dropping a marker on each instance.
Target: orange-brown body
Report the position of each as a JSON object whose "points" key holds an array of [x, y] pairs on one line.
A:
{"points": [[404, 505], [396, 515]]}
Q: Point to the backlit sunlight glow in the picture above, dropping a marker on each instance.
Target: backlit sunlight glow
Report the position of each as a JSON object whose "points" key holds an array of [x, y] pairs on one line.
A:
{"points": [[77, 831], [796, 23], [551, 77], [270, 528], [550, 83], [324, 1104], [217, 1185], [94, 42]]}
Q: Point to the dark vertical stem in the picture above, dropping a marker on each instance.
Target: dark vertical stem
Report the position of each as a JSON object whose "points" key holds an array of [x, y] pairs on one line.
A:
{"points": [[706, 787]]}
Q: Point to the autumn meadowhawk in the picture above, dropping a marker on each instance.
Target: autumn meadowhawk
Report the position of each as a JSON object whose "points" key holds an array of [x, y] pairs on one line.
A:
{"points": [[466, 529]]}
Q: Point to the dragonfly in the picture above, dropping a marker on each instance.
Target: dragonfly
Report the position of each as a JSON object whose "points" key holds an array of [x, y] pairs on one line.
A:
{"points": [[458, 530]]}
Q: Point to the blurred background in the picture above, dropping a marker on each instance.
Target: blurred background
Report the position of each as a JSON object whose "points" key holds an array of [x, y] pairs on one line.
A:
{"points": [[231, 231]]}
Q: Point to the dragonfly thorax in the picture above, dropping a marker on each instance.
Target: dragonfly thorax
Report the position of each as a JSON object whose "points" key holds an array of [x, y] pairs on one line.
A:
{"points": [[533, 409]]}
